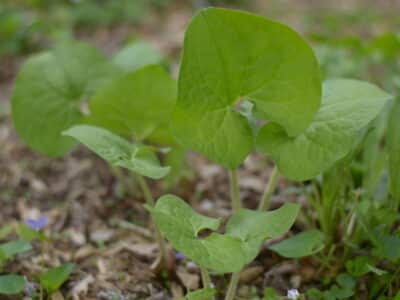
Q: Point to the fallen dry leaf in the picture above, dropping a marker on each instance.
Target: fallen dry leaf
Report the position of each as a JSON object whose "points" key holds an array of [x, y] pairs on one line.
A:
{"points": [[189, 280], [81, 288]]}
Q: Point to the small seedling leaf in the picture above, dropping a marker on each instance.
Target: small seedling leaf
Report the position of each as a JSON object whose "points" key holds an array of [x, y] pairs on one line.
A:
{"points": [[11, 284], [361, 266], [271, 294], [5, 231], [54, 278], [27, 233], [223, 253], [118, 151], [229, 56], [348, 106], [10, 249], [303, 244]]}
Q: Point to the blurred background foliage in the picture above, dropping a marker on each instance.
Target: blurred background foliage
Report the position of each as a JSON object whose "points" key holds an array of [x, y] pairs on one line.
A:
{"points": [[30, 24]]}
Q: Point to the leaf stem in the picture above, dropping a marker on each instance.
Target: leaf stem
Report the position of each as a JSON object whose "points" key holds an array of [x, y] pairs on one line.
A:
{"points": [[230, 294], [269, 190], [205, 278], [236, 205], [150, 201]]}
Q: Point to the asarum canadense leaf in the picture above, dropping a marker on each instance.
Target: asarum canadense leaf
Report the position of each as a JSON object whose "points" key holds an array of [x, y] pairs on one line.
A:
{"points": [[245, 232], [11, 284], [229, 56], [300, 245], [137, 55], [135, 104], [348, 106], [394, 150], [49, 91], [118, 151], [54, 278]]}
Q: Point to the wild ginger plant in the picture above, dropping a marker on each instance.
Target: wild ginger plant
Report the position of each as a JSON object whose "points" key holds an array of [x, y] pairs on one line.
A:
{"points": [[238, 70], [232, 58], [51, 93], [76, 84]]}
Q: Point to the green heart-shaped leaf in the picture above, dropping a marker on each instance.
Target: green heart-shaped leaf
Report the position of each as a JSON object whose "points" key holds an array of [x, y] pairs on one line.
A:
{"points": [[54, 278], [394, 149], [224, 253], [49, 90], [254, 227], [118, 151], [300, 245], [10, 249], [136, 104], [348, 106], [137, 55], [11, 284], [229, 56]]}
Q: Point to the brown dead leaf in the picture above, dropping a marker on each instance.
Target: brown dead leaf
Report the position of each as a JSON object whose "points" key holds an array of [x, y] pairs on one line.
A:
{"points": [[189, 280], [101, 235], [76, 237], [57, 296], [84, 252], [176, 290], [81, 288], [250, 274]]}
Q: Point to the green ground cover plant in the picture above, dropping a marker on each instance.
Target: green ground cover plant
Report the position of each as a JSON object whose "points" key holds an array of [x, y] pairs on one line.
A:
{"points": [[12, 284]]}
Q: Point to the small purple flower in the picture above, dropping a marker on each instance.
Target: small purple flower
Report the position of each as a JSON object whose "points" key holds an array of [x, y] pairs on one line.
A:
{"points": [[37, 224], [179, 256], [293, 294]]}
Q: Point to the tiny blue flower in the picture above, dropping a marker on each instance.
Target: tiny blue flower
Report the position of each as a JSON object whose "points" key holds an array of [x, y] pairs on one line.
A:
{"points": [[293, 294], [30, 289], [37, 224], [179, 256]]}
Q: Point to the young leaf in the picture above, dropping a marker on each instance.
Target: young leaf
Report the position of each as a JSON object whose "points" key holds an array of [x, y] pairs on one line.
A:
{"points": [[303, 244], [28, 234], [48, 93], [394, 150], [5, 231], [230, 55], [11, 284], [224, 253], [386, 245], [271, 294], [10, 249], [118, 151], [361, 266], [135, 104], [348, 106], [54, 278], [203, 294], [137, 55]]}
